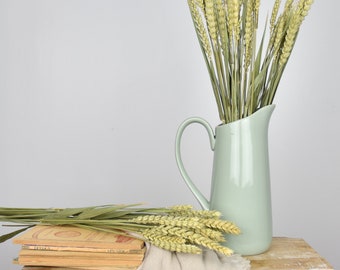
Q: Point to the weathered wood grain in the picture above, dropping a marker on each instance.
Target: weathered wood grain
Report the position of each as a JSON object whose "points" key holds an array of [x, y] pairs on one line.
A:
{"points": [[289, 253]]}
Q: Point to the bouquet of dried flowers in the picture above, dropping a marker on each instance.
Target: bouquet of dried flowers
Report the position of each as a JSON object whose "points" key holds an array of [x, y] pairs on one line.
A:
{"points": [[179, 228], [243, 77]]}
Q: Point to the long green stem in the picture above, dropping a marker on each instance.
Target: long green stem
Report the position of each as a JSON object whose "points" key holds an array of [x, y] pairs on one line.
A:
{"points": [[240, 87], [126, 220]]}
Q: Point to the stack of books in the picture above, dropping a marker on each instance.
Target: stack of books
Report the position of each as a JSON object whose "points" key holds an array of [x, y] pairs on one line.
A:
{"points": [[74, 248]]}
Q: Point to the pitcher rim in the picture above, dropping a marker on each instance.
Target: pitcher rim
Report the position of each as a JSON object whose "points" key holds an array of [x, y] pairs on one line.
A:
{"points": [[267, 107]]}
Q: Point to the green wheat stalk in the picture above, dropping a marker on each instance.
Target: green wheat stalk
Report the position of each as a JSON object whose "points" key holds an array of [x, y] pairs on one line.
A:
{"points": [[245, 78], [178, 228]]}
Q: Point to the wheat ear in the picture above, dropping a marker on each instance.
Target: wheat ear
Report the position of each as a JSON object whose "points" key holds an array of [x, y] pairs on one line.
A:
{"points": [[200, 28]]}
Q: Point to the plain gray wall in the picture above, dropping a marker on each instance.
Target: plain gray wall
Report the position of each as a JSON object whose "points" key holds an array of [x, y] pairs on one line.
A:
{"points": [[92, 93]]}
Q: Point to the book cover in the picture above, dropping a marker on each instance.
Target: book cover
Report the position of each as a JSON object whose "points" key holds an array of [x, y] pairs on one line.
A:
{"points": [[70, 236]]}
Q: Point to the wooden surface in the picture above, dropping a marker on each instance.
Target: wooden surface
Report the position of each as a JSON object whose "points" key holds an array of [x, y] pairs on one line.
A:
{"points": [[289, 253]]}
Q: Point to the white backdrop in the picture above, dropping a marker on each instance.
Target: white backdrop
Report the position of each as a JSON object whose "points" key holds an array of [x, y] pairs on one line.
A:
{"points": [[92, 93]]}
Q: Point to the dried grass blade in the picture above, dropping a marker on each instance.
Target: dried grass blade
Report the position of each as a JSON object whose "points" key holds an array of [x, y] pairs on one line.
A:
{"points": [[93, 213], [66, 213], [25, 211], [10, 235]]}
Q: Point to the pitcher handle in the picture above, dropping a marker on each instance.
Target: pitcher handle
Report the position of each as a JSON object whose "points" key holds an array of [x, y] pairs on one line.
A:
{"points": [[197, 193]]}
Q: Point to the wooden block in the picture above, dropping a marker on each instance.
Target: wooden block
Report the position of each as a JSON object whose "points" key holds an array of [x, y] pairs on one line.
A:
{"points": [[289, 253]]}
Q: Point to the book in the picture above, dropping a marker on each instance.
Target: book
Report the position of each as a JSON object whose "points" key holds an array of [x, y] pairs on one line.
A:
{"points": [[70, 236], [111, 267], [75, 261], [80, 254], [74, 248], [84, 249], [77, 268]]}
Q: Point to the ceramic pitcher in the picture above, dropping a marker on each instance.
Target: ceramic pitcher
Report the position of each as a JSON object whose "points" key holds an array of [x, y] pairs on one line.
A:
{"points": [[240, 185]]}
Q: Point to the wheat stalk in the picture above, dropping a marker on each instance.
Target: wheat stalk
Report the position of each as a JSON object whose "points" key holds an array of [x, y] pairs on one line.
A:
{"points": [[178, 228], [243, 75]]}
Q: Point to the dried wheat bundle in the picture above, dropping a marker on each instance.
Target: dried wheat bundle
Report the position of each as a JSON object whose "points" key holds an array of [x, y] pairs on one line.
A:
{"points": [[178, 228], [245, 78]]}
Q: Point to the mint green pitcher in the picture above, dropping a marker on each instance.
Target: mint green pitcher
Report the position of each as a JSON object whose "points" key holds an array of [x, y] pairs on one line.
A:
{"points": [[240, 185]]}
